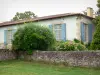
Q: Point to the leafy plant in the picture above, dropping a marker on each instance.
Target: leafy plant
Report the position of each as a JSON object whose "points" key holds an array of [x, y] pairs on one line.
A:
{"points": [[71, 46], [76, 40], [33, 37]]}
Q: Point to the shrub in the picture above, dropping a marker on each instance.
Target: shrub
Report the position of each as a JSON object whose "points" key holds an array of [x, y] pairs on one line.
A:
{"points": [[71, 46], [80, 47], [56, 46], [67, 46], [33, 37], [88, 46], [78, 41]]}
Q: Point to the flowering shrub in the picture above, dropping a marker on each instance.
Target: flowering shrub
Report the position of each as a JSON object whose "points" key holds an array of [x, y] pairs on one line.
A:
{"points": [[70, 46]]}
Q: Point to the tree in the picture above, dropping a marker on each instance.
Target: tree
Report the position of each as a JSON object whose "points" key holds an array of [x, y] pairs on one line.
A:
{"points": [[25, 15], [95, 45], [98, 5]]}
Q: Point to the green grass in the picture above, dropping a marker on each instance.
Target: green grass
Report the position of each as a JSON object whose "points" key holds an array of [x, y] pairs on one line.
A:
{"points": [[19, 67]]}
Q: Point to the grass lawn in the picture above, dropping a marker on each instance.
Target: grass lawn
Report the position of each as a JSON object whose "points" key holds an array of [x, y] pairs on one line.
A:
{"points": [[18, 67]]}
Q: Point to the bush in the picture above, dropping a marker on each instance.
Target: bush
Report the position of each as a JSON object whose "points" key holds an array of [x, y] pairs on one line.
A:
{"points": [[56, 46], [78, 41], [67, 46], [33, 37], [87, 45], [80, 47], [71, 46]]}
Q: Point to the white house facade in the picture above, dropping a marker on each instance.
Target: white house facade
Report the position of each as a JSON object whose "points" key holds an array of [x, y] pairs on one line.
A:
{"points": [[66, 26]]}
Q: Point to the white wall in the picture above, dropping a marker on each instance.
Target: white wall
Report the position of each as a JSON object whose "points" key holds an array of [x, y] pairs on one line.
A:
{"points": [[86, 20], [70, 26]]}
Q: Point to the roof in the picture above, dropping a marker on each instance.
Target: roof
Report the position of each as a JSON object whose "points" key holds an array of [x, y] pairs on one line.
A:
{"points": [[8, 23]]}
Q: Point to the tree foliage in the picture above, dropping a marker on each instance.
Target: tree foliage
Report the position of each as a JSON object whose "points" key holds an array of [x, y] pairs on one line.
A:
{"points": [[25, 15], [33, 37], [98, 5], [95, 45], [96, 20]]}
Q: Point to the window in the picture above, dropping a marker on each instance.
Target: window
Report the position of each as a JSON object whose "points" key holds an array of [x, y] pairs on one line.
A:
{"points": [[86, 32], [57, 31], [9, 36]]}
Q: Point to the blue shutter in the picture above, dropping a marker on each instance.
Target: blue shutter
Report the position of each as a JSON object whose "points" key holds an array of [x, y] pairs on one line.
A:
{"points": [[82, 32], [51, 27], [5, 37], [64, 32], [90, 32]]}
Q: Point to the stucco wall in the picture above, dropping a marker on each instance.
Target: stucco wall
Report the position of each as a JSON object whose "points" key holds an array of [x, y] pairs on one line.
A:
{"points": [[83, 59], [70, 26]]}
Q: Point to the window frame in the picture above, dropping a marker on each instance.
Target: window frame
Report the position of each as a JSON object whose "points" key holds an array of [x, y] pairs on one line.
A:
{"points": [[9, 37], [60, 35], [86, 32]]}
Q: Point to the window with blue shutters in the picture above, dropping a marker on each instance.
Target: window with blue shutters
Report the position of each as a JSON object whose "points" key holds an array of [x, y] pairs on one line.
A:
{"points": [[59, 31], [8, 36], [84, 32]]}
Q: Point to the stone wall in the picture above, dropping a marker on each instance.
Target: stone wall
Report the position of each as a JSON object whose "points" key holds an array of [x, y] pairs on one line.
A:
{"points": [[71, 58], [7, 55], [83, 59]]}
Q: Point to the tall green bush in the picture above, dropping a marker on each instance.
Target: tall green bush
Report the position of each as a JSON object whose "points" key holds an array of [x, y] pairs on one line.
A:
{"points": [[33, 37], [95, 45]]}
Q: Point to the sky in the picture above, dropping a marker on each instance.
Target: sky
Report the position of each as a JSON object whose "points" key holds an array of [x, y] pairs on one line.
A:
{"points": [[8, 8]]}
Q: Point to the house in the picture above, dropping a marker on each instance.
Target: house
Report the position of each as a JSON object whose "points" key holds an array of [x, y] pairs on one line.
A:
{"points": [[67, 26]]}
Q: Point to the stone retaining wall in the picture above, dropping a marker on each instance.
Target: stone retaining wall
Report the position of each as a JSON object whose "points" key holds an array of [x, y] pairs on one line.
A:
{"points": [[71, 58], [83, 59], [7, 55]]}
